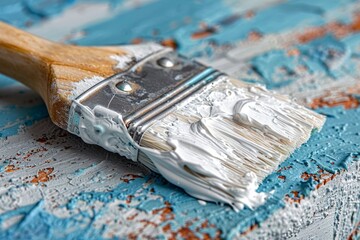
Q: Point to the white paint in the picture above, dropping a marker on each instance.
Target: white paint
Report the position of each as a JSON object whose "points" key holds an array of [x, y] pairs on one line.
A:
{"points": [[71, 19], [228, 138], [225, 140], [77, 17], [102, 171], [82, 86], [106, 128], [66, 154], [330, 212], [134, 54], [201, 202]]}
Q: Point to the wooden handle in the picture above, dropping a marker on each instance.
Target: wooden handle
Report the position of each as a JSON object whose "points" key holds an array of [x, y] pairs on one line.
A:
{"points": [[51, 68], [23, 57]]}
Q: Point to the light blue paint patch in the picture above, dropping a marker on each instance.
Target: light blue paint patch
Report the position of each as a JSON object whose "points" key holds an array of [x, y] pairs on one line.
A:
{"points": [[276, 68], [14, 12], [46, 8], [333, 149], [25, 13], [6, 81], [327, 56], [353, 42], [28, 12], [13, 117], [81, 171], [294, 13], [156, 27], [150, 205]]}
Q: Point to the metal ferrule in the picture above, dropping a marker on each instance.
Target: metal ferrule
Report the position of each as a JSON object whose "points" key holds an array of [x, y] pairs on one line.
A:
{"points": [[149, 90]]}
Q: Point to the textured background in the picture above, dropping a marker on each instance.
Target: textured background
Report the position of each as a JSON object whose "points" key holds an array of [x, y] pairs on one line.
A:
{"points": [[52, 185]]}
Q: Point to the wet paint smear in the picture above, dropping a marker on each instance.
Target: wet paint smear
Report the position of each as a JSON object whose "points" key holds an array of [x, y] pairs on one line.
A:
{"points": [[327, 154]]}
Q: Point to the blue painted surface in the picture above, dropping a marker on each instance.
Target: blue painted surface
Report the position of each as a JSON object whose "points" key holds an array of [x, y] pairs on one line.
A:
{"points": [[190, 14], [319, 153], [15, 116], [326, 56], [332, 150]]}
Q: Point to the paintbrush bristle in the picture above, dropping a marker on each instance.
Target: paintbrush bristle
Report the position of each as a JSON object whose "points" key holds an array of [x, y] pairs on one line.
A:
{"points": [[228, 138]]}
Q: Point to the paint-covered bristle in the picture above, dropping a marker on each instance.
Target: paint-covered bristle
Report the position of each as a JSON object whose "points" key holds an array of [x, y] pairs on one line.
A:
{"points": [[222, 142]]}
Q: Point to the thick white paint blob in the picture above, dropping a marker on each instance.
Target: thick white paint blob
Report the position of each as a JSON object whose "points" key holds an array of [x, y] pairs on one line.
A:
{"points": [[224, 140], [106, 128]]}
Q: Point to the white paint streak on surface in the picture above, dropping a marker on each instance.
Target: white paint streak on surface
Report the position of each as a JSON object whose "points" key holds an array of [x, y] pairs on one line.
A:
{"points": [[73, 18], [77, 167], [77, 17], [328, 213]]}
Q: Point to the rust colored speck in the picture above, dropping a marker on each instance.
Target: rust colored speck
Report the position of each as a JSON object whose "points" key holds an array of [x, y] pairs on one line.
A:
{"points": [[306, 176], [312, 34], [249, 14], [43, 139], [355, 25], [203, 33], [147, 223], [137, 41], [355, 233], [206, 236], [282, 177], [186, 233], [284, 168], [166, 213], [167, 227], [250, 229], [43, 175], [11, 168], [170, 43], [293, 52], [205, 224], [129, 199], [254, 36], [338, 29], [129, 177], [130, 218], [33, 152], [345, 100], [296, 193], [132, 236]]}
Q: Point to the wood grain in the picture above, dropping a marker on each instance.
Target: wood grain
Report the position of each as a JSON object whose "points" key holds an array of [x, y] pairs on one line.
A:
{"points": [[50, 68]]}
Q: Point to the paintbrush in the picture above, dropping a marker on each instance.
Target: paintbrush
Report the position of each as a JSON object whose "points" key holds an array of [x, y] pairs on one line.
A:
{"points": [[214, 136]]}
